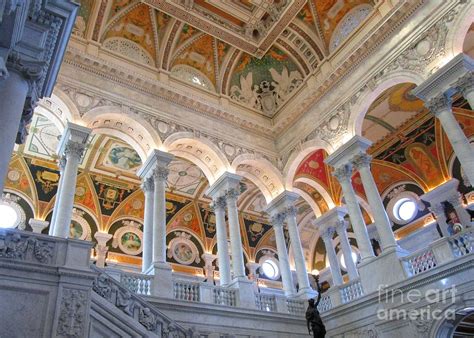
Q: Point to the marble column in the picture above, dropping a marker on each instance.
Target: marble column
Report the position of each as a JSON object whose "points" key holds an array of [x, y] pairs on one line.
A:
{"points": [[437, 209], [13, 91], [284, 263], [456, 201], [343, 175], [160, 174], [341, 229], [327, 234], [440, 106], [101, 248], [72, 145], [148, 188], [219, 205], [300, 262], [384, 227], [238, 267], [61, 165], [208, 267]]}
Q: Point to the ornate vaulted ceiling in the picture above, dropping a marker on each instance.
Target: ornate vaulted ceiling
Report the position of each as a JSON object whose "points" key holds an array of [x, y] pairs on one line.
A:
{"points": [[255, 52]]}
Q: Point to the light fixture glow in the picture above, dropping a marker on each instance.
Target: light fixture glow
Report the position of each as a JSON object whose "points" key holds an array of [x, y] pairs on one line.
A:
{"points": [[8, 217]]}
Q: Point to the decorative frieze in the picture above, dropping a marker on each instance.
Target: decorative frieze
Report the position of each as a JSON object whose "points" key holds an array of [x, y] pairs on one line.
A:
{"points": [[15, 246]]}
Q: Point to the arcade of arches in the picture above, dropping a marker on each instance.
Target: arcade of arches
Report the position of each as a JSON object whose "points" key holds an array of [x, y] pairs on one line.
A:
{"points": [[300, 138]]}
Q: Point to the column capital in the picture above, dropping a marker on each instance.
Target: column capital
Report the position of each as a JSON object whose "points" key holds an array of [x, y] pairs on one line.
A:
{"points": [[74, 149], [232, 194], [327, 233], [465, 84], [343, 173], [278, 219], [219, 203], [148, 185], [341, 226], [160, 173], [362, 160], [291, 211], [156, 158], [438, 104]]}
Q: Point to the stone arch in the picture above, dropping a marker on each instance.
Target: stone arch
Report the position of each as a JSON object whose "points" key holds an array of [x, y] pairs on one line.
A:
{"points": [[299, 155], [304, 195], [459, 29], [324, 193], [363, 103], [261, 172], [199, 151], [135, 131], [56, 110], [72, 111]]}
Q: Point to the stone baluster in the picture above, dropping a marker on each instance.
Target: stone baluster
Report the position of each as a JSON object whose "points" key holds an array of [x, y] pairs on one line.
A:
{"points": [[238, 267], [300, 262], [343, 175], [327, 234], [72, 146], [384, 227], [148, 188], [101, 248], [286, 276], [219, 205]]}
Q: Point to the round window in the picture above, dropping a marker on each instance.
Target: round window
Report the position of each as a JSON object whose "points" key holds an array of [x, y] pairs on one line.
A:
{"points": [[343, 262], [270, 269], [9, 216], [405, 209]]}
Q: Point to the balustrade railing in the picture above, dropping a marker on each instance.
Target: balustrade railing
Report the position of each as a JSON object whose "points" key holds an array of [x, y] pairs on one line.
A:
{"points": [[419, 262], [224, 296], [351, 291], [325, 304], [296, 307], [137, 283], [265, 302], [462, 243], [187, 291]]}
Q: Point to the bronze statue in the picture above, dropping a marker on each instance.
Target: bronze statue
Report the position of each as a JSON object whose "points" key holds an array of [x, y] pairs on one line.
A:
{"points": [[313, 318]]}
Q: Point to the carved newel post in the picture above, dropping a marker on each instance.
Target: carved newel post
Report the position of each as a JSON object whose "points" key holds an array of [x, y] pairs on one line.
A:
{"points": [[101, 248]]}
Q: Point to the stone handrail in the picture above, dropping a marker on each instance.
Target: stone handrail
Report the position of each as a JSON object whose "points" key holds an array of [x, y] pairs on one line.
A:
{"points": [[187, 291], [420, 261], [296, 307], [137, 308], [137, 283], [351, 291], [265, 302]]}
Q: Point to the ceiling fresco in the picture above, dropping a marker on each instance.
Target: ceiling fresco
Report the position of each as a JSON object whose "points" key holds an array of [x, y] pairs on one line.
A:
{"points": [[256, 52]]}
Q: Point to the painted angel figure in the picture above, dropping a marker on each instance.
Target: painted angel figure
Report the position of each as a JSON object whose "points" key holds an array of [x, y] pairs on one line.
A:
{"points": [[285, 82], [246, 94]]}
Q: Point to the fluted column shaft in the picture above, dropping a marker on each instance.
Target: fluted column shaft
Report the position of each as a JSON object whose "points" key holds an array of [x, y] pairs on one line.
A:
{"points": [[384, 227], [327, 235], [283, 260], [62, 164], [160, 175], [298, 254], [223, 258], [441, 107], [73, 152], [341, 229], [238, 266], [13, 91], [148, 188], [343, 174]]}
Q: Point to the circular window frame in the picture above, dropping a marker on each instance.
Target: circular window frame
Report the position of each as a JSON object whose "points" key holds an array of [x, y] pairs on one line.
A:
{"points": [[275, 261], [20, 222], [393, 203]]}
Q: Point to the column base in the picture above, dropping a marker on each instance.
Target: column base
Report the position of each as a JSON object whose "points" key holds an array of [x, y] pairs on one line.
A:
{"points": [[162, 285], [307, 293], [246, 292], [385, 269]]}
